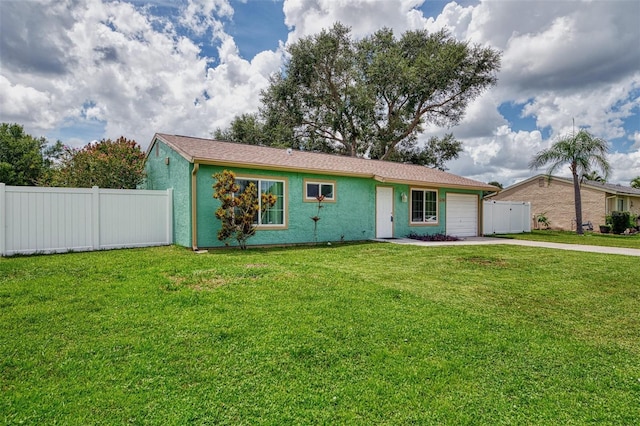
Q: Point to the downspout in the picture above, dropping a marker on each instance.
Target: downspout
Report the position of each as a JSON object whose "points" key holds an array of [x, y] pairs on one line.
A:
{"points": [[194, 206]]}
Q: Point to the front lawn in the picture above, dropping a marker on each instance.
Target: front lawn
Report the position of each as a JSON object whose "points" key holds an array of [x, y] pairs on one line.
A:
{"points": [[349, 334], [589, 238]]}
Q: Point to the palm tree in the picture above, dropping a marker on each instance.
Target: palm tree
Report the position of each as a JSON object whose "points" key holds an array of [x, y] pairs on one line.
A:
{"points": [[594, 176], [582, 152], [635, 182]]}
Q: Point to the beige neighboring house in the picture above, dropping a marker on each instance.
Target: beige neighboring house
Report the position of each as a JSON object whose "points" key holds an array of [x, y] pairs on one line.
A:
{"points": [[553, 196]]}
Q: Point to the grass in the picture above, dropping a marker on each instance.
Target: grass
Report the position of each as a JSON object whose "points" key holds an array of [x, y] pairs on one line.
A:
{"points": [[589, 238], [348, 334]]}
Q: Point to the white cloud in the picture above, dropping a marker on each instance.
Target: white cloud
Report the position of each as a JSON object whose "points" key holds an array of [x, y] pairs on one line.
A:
{"points": [[138, 79], [306, 17], [201, 16], [626, 167], [504, 156], [454, 18], [636, 140], [19, 101], [600, 108]]}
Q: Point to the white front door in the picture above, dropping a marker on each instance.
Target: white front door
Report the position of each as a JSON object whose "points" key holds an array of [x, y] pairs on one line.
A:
{"points": [[384, 212]]}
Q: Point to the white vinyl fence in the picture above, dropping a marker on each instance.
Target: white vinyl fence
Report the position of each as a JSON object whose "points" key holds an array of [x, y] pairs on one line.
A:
{"points": [[50, 220], [506, 217]]}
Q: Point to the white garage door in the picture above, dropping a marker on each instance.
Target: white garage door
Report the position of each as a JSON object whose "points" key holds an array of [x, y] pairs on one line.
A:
{"points": [[462, 215]]}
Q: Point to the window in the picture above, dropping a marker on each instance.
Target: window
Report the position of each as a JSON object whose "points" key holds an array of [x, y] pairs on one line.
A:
{"points": [[314, 189], [424, 206], [274, 215], [621, 204]]}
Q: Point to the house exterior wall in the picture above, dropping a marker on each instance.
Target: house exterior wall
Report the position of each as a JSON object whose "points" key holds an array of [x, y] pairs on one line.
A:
{"points": [[177, 175], [555, 198], [352, 217]]}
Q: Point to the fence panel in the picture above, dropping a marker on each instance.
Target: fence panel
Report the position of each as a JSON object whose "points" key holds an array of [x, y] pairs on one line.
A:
{"points": [[506, 217], [49, 220]]}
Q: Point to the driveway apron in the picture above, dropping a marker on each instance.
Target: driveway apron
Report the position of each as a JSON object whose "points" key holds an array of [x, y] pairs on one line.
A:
{"points": [[506, 241]]}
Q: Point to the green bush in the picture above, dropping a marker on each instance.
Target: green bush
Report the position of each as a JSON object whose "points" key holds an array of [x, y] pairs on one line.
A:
{"points": [[607, 220], [620, 221]]}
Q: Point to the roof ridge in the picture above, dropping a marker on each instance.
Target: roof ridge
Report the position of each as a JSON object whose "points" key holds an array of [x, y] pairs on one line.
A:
{"points": [[328, 154]]}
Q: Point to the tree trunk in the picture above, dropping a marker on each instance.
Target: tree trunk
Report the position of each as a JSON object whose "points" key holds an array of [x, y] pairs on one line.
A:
{"points": [[578, 202]]}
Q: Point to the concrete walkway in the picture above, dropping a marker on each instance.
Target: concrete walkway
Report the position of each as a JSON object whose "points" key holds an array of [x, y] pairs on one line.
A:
{"points": [[489, 240]]}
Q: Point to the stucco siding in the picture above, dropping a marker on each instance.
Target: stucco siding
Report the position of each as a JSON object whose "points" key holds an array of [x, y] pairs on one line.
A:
{"points": [[555, 199], [352, 217], [349, 218], [177, 175]]}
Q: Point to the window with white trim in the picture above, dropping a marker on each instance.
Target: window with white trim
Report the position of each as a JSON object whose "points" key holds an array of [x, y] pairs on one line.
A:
{"points": [[275, 215], [424, 206], [314, 189]]}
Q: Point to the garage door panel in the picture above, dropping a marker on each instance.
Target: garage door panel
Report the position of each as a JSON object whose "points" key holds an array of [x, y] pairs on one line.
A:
{"points": [[462, 215]]}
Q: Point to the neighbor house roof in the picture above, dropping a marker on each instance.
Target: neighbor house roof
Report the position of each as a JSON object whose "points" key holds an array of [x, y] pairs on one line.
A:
{"points": [[599, 186], [612, 188], [208, 151]]}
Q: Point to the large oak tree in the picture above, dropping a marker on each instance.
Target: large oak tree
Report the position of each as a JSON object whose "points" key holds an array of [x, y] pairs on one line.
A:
{"points": [[374, 96]]}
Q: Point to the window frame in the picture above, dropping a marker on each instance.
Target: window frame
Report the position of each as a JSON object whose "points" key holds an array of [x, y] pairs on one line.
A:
{"points": [[319, 182], [424, 203], [285, 205]]}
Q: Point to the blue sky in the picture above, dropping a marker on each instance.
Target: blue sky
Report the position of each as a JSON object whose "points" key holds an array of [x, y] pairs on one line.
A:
{"points": [[81, 71]]}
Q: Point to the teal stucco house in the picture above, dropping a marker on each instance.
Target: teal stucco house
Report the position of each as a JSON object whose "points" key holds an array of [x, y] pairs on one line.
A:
{"points": [[364, 199]]}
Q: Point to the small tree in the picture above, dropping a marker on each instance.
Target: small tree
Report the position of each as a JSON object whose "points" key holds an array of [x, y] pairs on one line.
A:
{"points": [[21, 156], [115, 164], [635, 182], [593, 176], [238, 211], [543, 220]]}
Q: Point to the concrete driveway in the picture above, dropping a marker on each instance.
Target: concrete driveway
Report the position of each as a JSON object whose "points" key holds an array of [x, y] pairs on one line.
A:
{"points": [[505, 241]]}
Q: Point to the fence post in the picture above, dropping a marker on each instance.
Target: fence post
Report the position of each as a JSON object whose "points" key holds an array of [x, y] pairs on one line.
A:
{"points": [[95, 217], [170, 215], [3, 212]]}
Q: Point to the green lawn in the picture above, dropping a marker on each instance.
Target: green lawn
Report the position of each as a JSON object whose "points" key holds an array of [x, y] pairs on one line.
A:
{"points": [[349, 334], [589, 238]]}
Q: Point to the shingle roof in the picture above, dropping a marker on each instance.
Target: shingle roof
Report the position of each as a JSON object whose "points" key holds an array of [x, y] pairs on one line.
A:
{"points": [[604, 187], [613, 188], [208, 151]]}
